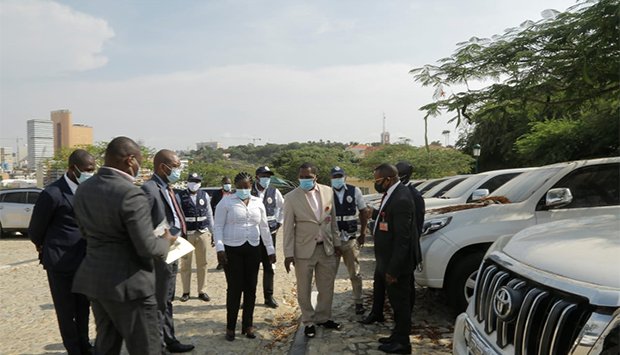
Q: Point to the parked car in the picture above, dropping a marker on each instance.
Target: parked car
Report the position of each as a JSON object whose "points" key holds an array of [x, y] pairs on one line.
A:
{"points": [[454, 241], [473, 188], [429, 184], [444, 186], [553, 288], [16, 209]]}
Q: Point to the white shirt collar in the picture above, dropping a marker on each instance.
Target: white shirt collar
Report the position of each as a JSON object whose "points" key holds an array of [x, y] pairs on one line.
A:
{"points": [[73, 186], [124, 174], [389, 193]]}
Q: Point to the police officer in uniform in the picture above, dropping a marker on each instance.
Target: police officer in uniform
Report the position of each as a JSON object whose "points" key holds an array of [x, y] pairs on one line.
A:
{"points": [[273, 201], [196, 206], [348, 200]]}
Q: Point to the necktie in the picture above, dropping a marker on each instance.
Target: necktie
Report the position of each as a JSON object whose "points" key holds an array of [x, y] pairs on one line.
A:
{"points": [[178, 212], [314, 204]]}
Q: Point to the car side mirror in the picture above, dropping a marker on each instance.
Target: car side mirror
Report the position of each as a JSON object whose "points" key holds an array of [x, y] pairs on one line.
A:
{"points": [[479, 194], [558, 197]]}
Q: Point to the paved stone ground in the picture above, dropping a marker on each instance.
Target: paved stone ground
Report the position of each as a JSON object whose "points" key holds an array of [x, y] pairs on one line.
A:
{"points": [[28, 323]]}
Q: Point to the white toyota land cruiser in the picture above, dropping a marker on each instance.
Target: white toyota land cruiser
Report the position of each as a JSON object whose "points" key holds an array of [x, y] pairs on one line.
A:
{"points": [[550, 289], [454, 242]]}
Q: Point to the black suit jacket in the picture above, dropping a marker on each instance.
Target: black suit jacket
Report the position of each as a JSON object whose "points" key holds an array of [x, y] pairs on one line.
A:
{"points": [[394, 248], [53, 227], [156, 191], [420, 209], [115, 217]]}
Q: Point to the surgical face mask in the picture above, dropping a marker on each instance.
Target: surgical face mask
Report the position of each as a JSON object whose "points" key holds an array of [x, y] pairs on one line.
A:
{"points": [[227, 187], [193, 186], [338, 183], [83, 176], [264, 182], [174, 176], [379, 185], [306, 184], [243, 194]]}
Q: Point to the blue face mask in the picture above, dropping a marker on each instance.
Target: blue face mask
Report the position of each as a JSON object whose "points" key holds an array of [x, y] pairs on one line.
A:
{"points": [[306, 184], [174, 176], [264, 182], [338, 183], [83, 176], [243, 194]]}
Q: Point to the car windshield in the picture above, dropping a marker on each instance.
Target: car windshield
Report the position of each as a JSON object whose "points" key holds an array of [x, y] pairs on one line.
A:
{"points": [[429, 185], [462, 188], [440, 189], [524, 185]]}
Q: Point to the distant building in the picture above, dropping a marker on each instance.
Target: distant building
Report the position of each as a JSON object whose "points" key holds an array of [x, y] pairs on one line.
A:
{"points": [[212, 145], [67, 134], [385, 135], [359, 150], [40, 136], [6, 159]]}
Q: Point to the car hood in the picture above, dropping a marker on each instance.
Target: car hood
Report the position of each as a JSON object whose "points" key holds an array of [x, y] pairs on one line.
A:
{"points": [[434, 202], [585, 249]]}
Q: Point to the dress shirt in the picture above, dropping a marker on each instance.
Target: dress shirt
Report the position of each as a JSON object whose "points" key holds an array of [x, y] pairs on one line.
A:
{"points": [[314, 199], [279, 211], [385, 198], [236, 223], [160, 182], [73, 186], [122, 173], [359, 202]]}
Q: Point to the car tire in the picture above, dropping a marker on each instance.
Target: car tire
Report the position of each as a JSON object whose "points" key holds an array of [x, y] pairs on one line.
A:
{"points": [[460, 281]]}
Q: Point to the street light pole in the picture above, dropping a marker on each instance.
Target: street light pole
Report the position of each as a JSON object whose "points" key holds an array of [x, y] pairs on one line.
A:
{"points": [[476, 151]]}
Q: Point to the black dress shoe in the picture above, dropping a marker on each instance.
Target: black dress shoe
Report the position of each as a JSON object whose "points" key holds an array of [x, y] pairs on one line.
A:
{"points": [[219, 267], [330, 324], [249, 332], [359, 309], [204, 297], [371, 318], [230, 335], [179, 348], [395, 348], [184, 297], [385, 340], [310, 331], [271, 303]]}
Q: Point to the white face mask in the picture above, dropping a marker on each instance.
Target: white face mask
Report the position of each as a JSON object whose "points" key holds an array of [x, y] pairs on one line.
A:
{"points": [[193, 186], [227, 187]]}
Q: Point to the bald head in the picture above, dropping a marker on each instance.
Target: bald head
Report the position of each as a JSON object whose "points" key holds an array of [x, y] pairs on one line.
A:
{"points": [[164, 161]]}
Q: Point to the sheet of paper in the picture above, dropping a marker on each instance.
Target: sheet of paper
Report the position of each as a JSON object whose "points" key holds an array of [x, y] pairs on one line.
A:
{"points": [[161, 228], [180, 248]]}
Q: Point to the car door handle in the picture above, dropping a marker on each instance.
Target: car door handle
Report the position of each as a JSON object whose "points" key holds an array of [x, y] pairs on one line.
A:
{"points": [[27, 209]]}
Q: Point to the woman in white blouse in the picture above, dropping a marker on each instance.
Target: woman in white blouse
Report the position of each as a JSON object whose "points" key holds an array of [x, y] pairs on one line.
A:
{"points": [[240, 220]]}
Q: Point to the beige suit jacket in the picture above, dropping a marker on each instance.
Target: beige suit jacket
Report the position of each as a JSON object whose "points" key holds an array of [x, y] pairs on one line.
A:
{"points": [[301, 225]]}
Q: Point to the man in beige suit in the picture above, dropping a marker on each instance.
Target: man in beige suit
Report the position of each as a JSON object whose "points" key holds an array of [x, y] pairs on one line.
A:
{"points": [[311, 243]]}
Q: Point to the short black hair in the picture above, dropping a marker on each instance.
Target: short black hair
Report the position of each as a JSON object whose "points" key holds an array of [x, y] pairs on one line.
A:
{"points": [[79, 157], [404, 168], [387, 170], [312, 167], [119, 148], [243, 176]]}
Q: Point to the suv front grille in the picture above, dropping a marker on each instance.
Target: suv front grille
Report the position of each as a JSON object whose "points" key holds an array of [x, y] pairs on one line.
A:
{"points": [[536, 319]]}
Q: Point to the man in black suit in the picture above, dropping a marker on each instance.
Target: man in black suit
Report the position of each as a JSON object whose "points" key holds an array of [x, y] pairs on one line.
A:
{"points": [[117, 273], [395, 234], [165, 206], [61, 248]]}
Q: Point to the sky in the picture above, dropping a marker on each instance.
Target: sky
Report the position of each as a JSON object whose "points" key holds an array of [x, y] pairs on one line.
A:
{"points": [[173, 73]]}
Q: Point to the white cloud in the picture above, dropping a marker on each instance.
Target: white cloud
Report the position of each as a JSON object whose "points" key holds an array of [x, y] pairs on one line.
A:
{"points": [[233, 104], [44, 38]]}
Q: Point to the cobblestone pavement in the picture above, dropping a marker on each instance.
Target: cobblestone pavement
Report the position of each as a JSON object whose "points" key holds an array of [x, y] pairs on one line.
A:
{"points": [[29, 325]]}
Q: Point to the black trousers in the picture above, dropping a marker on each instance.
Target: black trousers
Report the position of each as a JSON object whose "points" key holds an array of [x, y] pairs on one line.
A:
{"points": [[268, 273], [165, 287], [398, 294], [134, 321], [378, 293], [72, 312], [241, 277]]}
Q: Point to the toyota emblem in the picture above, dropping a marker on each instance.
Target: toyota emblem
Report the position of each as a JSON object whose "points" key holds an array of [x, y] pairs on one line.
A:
{"points": [[506, 302]]}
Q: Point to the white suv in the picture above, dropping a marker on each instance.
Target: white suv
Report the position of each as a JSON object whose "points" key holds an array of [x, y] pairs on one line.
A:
{"points": [[16, 209], [553, 288], [454, 243]]}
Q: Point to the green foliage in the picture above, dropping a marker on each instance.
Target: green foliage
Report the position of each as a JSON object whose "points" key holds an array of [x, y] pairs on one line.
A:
{"points": [[212, 174], [565, 67], [436, 162], [97, 150]]}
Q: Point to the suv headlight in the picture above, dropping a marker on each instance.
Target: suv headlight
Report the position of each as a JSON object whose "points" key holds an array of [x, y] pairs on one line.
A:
{"points": [[434, 224]]}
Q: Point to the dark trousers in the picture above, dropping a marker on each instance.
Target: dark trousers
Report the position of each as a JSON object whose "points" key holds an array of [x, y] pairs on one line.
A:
{"points": [[378, 293], [398, 294], [134, 321], [165, 287], [267, 269], [72, 312], [241, 277]]}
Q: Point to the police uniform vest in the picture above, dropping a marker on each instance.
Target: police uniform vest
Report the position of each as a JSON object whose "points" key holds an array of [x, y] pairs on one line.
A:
{"points": [[195, 214], [269, 200], [345, 211]]}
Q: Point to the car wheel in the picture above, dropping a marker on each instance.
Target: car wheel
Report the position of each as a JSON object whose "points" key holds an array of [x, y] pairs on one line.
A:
{"points": [[461, 281]]}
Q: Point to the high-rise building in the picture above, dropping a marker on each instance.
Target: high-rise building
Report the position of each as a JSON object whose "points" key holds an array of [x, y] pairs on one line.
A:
{"points": [[6, 159], [212, 145], [67, 134], [385, 135], [40, 142]]}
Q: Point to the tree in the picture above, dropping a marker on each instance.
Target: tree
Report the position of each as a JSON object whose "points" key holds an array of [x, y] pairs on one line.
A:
{"points": [[555, 91]]}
